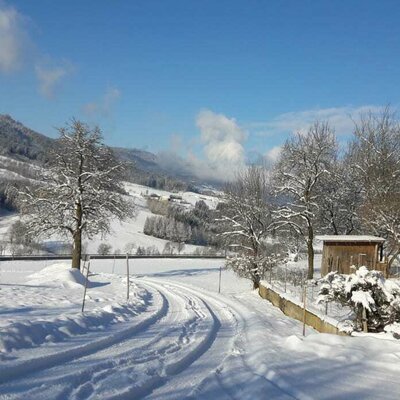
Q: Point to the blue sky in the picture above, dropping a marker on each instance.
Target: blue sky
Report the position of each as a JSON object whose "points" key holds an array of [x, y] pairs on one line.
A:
{"points": [[196, 76]]}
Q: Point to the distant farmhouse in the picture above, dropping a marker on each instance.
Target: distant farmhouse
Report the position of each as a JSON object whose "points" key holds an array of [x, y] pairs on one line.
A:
{"points": [[341, 252]]}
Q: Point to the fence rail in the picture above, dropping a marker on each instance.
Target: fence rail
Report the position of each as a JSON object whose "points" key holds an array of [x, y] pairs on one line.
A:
{"points": [[106, 257]]}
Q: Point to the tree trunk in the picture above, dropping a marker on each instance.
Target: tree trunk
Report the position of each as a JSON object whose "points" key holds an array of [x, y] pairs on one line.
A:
{"points": [[310, 252], [256, 275], [77, 248], [391, 259]]}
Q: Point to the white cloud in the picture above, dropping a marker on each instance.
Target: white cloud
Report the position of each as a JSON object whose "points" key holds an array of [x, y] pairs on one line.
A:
{"points": [[223, 142], [18, 50], [222, 136], [223, 148], [49, 77], [13, 38], [340, 118], [273, 154], [103, 107]]}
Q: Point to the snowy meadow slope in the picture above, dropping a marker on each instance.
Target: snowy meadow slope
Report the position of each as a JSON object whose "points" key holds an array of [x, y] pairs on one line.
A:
{"points": [[126, 236]]}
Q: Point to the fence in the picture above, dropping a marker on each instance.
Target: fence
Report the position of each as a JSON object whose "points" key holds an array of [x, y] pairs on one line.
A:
{"points": [[106, 257], [292, 284], [299, 312]]}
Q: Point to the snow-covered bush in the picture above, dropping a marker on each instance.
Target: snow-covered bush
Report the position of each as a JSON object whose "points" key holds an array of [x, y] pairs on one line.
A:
{"points": [[364, 290], [251, 267]]}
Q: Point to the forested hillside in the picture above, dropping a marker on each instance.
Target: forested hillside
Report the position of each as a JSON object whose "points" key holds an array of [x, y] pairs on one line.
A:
{"points": [[16, 140], [23, 150]]}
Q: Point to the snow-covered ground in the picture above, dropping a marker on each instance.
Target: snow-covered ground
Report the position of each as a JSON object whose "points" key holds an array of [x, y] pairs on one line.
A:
{"points": [[176, 338]]}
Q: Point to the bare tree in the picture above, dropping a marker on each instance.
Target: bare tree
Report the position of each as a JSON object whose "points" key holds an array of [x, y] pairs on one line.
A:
{"points": [[245, 220], [80, 191], [104, 249], [304, 161], [375, 153], [20, 240], [340, 200]]}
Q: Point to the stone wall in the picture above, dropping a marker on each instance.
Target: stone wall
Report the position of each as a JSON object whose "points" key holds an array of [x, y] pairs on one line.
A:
{"points": [[297, 312]]}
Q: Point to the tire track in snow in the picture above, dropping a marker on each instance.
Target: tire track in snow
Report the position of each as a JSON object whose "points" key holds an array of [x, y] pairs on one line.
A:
{"points": [[257, 382], [85, 382], [201, 339], [24, 367]]}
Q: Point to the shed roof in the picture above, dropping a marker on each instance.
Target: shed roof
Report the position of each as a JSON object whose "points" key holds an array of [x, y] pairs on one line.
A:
{"points": [[351, 238]]}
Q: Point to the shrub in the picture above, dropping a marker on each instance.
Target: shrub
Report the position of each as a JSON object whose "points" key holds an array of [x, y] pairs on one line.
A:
{"points": [[364, 290]]}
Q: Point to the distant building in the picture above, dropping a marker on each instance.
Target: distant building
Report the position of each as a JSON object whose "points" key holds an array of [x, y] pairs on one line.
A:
{"points": [[175, 197], [341, 252]]}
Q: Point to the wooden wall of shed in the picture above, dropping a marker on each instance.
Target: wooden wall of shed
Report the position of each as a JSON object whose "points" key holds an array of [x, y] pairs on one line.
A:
{"points": [[340, 256]]}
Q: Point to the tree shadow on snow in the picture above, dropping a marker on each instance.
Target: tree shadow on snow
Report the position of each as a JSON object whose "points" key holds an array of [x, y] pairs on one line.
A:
{"points": [[179, 272]]}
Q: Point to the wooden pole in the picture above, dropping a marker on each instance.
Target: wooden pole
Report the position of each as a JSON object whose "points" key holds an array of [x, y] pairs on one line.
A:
{"points": [[219, 281], [84, 265], [127, 276], [86, 284], [304, 308], [113, 268], [285, 277], [364, 320]]}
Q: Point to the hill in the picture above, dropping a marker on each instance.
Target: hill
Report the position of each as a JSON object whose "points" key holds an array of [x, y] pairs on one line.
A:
{"points": [[22, 147], [21, 142], [18, 141]]}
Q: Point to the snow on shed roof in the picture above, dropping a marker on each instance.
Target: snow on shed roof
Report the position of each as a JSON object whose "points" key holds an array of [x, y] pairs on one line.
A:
{"points": [[350, 238]]}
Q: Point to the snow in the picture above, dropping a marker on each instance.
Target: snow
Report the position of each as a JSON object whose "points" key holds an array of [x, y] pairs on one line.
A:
{"points": [[363, 298], [176, 338], [189, 197], [350, 238], [61, 272]]}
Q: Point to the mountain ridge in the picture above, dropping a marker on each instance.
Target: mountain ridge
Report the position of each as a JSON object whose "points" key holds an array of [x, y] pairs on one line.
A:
{"points": [[22, 144]]}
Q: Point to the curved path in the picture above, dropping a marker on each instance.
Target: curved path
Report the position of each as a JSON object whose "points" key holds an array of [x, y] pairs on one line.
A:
{"points": [[187, 343]]}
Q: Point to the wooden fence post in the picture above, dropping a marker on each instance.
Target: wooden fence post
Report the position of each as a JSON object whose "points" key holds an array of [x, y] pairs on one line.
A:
{"points": [[113, 268], [364, 320], [285, 277], [127, 276], [86, 284], [304, 308], [219, 281]]}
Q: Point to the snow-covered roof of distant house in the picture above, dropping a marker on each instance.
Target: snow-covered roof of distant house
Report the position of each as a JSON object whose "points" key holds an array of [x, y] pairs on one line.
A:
{"points": [[350, 238]]}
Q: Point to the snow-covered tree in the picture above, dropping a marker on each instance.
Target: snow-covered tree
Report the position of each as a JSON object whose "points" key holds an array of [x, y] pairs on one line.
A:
{"points": [[340, 200], [80, 191], [375, 153], [305, 159], [20, 240], [367, 293], [245, 221], [104, 249]]}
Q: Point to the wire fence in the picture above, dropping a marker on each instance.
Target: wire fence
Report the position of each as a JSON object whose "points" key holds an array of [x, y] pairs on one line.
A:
{"points": [[292, 282]]}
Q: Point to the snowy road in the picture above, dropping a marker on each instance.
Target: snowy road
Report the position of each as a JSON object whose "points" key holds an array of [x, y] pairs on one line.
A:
{"points": [[185, 341], [180, 345]]}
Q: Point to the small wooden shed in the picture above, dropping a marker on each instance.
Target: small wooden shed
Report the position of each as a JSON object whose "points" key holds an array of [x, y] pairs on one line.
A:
{"points": [[341, 252]]}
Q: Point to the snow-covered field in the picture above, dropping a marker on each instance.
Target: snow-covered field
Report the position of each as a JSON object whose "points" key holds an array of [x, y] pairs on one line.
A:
{"points": [[176, 338], [128, 235]]}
